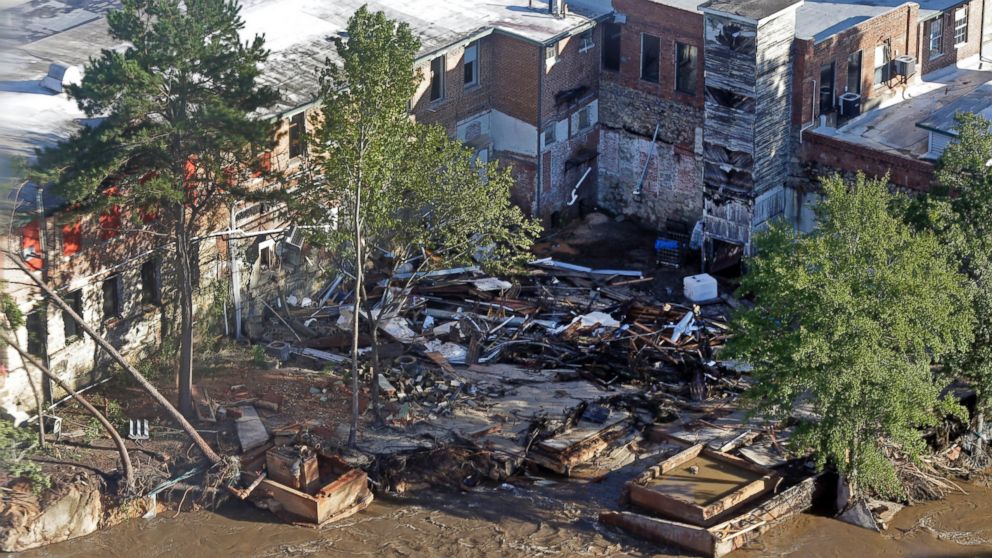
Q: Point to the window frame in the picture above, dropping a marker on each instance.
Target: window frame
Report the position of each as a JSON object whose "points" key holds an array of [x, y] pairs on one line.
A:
{"points": [[882, 73], [551, 129], [297, 133], [72, 331], [587, 41], [474, 81], [938, 39], [36, 342], [961, 26], [117, 313], [657, 58], [438, 77], [608, 52], [860, 65], [679, 65]]}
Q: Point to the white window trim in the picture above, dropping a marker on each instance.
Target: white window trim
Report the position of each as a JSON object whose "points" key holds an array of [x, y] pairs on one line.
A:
{"points": [[957, 23], [588, 41], [935, 54], [474, 48]]}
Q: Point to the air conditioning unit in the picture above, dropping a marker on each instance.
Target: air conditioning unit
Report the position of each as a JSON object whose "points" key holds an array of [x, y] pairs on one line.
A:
{"points": [[904, 65], [850, 104]]}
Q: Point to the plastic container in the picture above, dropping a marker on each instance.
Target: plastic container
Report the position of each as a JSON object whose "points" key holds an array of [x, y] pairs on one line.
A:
{"points": [[700, 288]]}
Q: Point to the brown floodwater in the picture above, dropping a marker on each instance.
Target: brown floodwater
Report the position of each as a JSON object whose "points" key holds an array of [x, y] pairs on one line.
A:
{"points": [[703, 480], [523, 522]]}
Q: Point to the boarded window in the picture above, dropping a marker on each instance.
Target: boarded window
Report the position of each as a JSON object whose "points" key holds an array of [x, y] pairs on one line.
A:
{"points": [[611, 46], [72, 330], [471, 64], [297, 135], [72, 238], [150, 291], [650, 50], [550, 136], [437, 78], [112, 297], [686, 67]]}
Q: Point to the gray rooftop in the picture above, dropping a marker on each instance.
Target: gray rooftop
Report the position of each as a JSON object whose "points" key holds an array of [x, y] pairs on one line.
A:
{"points": [[756, 10], [35, 33], [821, 19], [943, 120]]}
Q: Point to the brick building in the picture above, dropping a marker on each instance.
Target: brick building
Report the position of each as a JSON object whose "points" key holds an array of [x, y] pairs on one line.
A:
{"points": [[667, 111]]}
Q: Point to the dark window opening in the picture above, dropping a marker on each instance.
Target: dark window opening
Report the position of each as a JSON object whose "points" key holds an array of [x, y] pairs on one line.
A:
{"points": [[37, 327], [854, 72], [729, 99], [611, 46], [650, 51], [686, 62], [827, 88], [437, 79], [71, 326], [297, 131], [150, 291], [112, 297], [471, 64]]}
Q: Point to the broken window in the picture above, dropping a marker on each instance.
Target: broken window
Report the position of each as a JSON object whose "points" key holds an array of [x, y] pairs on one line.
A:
{"points": [[112, 297], [936, 37], [729, 99], [686, 63], [437, 78], [471, 64], [550, 134], [611, 46], [961, 25], [150, 290], [72, 330], [883, 58], [650, 51], [297, 131], [37, 329], [854, 72], [585, 41]]}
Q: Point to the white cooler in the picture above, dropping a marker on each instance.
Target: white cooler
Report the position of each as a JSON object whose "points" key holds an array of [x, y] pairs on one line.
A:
{"points": [[700, 288]]}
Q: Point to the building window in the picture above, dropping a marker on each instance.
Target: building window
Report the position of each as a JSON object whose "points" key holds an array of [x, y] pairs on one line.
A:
{"points": [[72, 330], [550, 55], [37, 328], [437, 79], [297, 131], [936, 37], [686, 62], [150, 290], [550, 134], [471, 64], [586, 42], [854, 73], [961, 25], [883, 59], [650, 49], [827, 88], [112, 297], [611, 46]]}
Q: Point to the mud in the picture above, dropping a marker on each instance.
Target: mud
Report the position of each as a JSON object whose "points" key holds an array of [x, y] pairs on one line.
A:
{"points": [[520, 522], [711, 481]]}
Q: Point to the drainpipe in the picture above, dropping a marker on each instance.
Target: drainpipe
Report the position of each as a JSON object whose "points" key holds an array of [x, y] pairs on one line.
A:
{"points": [[540, 112], [235, 274]]}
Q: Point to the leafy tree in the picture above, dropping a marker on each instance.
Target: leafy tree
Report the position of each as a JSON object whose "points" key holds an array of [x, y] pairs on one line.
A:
{"points": [[178, 131], [850, 319], [405, 195]]}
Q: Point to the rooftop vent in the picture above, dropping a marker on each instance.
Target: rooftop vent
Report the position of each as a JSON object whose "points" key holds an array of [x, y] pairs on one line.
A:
{"points": [[61, 75], [557, 8]]}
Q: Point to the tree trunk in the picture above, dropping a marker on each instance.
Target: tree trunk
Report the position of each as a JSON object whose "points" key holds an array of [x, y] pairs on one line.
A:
{"points": [[355, 318], [201, 444], [184, 270], [374, 334], [111, 431]]}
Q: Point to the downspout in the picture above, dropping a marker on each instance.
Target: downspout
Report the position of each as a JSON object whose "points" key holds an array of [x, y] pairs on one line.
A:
{"points": [[541, 62]]}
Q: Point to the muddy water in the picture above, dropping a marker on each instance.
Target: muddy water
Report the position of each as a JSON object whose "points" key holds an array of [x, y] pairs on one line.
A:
{"points": [[703, 480], [524, 522]]}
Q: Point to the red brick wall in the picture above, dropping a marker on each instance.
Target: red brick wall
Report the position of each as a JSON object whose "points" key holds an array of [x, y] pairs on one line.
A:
{"points": [[459, 101], [898, 25], [575, 67], [515, 65], [952, 54], [669, 24], [905, 172]]}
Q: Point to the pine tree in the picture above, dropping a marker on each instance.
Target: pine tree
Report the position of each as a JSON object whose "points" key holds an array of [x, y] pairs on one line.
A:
{"points": [[178, 130]]}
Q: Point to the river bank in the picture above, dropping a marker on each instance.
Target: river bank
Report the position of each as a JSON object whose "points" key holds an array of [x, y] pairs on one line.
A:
{"points": [[522, 522]]}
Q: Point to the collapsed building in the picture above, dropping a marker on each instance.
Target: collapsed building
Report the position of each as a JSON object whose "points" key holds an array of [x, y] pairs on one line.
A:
{"points": [[670, 112]]}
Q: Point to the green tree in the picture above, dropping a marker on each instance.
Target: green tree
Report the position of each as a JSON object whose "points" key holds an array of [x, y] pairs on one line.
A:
{"points": [[178, 131], [405, 195], [850, 319]]}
